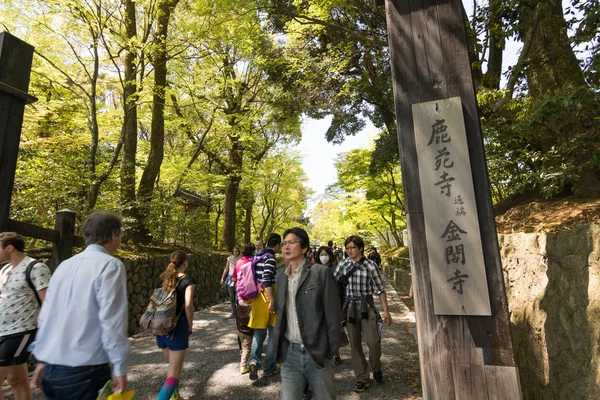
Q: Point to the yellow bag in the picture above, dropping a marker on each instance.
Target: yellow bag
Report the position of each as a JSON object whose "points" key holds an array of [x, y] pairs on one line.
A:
{"points": [[122, 396]]}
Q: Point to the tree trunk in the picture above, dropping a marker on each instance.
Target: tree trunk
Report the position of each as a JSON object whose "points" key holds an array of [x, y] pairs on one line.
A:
{"points": [[231, 194], [217, 219], [248, 221], [229, 212], [495, 29], [552, 64], [128, 200], [157, 129]]}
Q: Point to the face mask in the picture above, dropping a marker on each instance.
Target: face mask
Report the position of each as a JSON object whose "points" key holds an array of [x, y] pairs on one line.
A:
{"points": [[324, 260]]}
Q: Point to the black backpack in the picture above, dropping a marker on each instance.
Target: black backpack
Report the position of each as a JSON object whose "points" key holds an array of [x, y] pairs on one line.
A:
{"points": [[30, 282]]}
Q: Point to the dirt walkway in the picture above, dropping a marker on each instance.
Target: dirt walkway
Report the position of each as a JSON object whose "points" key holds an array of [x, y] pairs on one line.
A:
{"points": [[211, 369]]}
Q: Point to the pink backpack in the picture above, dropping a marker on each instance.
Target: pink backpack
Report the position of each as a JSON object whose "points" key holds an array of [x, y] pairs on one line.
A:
{"points": [[246, 286]]}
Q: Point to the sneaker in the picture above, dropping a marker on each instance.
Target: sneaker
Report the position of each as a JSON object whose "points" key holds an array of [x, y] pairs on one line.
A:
{"points": [[244, 370], [175, 395], [232, 316], [361, 386], [338, 361], [378, 376], [274, 370], [253, 372]]}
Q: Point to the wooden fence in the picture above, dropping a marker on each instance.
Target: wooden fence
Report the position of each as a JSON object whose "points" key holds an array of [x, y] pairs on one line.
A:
{"points": [[62, 236]]}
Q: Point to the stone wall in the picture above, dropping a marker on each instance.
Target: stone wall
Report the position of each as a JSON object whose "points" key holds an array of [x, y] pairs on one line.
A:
{"points": [[553, 289], [397, 271], [552, 282], [143, 275]]}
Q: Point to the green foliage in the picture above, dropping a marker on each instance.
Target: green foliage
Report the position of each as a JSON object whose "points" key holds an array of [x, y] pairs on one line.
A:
{"points": [[229, 105], [368, 202], [541, 145]]}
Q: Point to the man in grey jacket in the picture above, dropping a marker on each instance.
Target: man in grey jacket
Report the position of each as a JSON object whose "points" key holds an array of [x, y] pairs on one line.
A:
{"points": [[308, 329]]}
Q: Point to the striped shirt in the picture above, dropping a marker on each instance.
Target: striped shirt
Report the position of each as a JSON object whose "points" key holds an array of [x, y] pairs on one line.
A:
{"points": [[365, 281], [293, 328], [266, 268]]}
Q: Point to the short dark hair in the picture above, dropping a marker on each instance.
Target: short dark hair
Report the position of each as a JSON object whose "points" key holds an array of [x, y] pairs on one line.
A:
{"points": [[274, 240], [302, 235], [357, 240], [17, 241], [248, 250], [99, 226], [330, 243]]}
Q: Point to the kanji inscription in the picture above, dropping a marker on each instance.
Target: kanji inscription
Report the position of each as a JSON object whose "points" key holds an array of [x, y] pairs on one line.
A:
{"points": [[456, 263]]}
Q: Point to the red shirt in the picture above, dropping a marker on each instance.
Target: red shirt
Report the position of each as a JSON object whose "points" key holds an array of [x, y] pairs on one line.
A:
{"points": [[238, 265]]}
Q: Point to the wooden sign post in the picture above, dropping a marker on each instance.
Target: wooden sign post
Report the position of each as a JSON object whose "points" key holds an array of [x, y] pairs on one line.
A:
{"points": [[463, 324], [15, 68]]}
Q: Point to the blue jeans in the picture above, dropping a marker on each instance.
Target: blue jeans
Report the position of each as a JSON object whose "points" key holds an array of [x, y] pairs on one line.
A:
{"points": [[74, 383], [257, 348], [298, 368]]}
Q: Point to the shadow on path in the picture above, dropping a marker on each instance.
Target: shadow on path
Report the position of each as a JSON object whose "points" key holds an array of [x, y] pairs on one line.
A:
{"points": [[211, 369]]}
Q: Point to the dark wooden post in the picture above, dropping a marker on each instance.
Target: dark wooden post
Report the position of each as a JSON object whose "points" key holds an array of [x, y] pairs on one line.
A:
{"points": [[15, 67], [65, 226], [461, 357]]}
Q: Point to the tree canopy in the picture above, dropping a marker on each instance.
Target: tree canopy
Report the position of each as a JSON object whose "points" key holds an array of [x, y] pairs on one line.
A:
{"points": [[183, 115]]}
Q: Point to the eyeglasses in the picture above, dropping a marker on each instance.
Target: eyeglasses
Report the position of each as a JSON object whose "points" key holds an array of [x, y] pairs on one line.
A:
{"points": [[290, 242], [351, 247]]}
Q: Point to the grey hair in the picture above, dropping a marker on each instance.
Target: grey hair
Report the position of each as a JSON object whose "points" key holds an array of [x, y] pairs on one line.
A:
{"points": [[99, 226]]}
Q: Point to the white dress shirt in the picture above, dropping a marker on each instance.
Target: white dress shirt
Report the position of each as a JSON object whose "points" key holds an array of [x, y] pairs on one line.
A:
{"points": [[83, 320]]}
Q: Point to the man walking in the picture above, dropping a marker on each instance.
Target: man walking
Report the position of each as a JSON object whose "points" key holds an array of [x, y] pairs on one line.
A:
{"points": [[83, 322], [308, 330], [264, 310], [21, 294], [359, 312]]}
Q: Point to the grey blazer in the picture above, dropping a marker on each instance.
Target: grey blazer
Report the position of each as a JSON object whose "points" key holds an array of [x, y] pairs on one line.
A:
{"points": [[319, 313]]}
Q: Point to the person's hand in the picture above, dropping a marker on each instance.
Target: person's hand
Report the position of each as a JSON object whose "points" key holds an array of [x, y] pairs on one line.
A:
{"points": [[222, 281], [119, 383], [272, 307], [387, 318], [36, 379]]}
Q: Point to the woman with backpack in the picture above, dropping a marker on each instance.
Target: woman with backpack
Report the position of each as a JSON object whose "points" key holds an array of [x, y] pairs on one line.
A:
{"points": [[242, 315], [176, 342]]}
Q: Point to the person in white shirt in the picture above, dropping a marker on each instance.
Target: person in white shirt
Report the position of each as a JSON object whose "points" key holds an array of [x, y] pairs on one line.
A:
{"points": [[19, 308], [83, 322]]}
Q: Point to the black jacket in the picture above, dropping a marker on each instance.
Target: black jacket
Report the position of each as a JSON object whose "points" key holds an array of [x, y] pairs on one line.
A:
{"points": [[319, 313]]}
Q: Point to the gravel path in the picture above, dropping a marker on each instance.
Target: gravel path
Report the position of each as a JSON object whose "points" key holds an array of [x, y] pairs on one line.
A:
{"points": [[211, 369]]}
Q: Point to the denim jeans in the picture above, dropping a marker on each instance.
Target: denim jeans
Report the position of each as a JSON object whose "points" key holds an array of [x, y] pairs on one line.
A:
{"points": [[257, 347], [74, 383], [298, 368]]}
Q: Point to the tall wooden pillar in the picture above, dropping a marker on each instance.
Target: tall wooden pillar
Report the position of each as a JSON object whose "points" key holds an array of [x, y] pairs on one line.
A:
{"points": [[15, 67], [462, 357]]}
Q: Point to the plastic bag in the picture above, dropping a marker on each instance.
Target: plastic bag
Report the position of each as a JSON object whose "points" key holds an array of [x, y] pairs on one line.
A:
{"points": [[128, 395], [106, 393]]}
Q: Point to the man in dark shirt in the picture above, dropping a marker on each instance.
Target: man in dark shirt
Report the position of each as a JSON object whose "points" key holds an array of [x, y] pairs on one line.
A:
{"points": [[264, 308]]}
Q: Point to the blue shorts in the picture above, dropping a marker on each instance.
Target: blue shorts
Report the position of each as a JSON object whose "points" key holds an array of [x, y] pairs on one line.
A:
{"points": [[179, 340]]}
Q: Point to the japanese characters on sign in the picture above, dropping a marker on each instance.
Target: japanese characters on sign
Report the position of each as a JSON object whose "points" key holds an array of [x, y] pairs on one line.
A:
{"points": [[456, 263]]}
